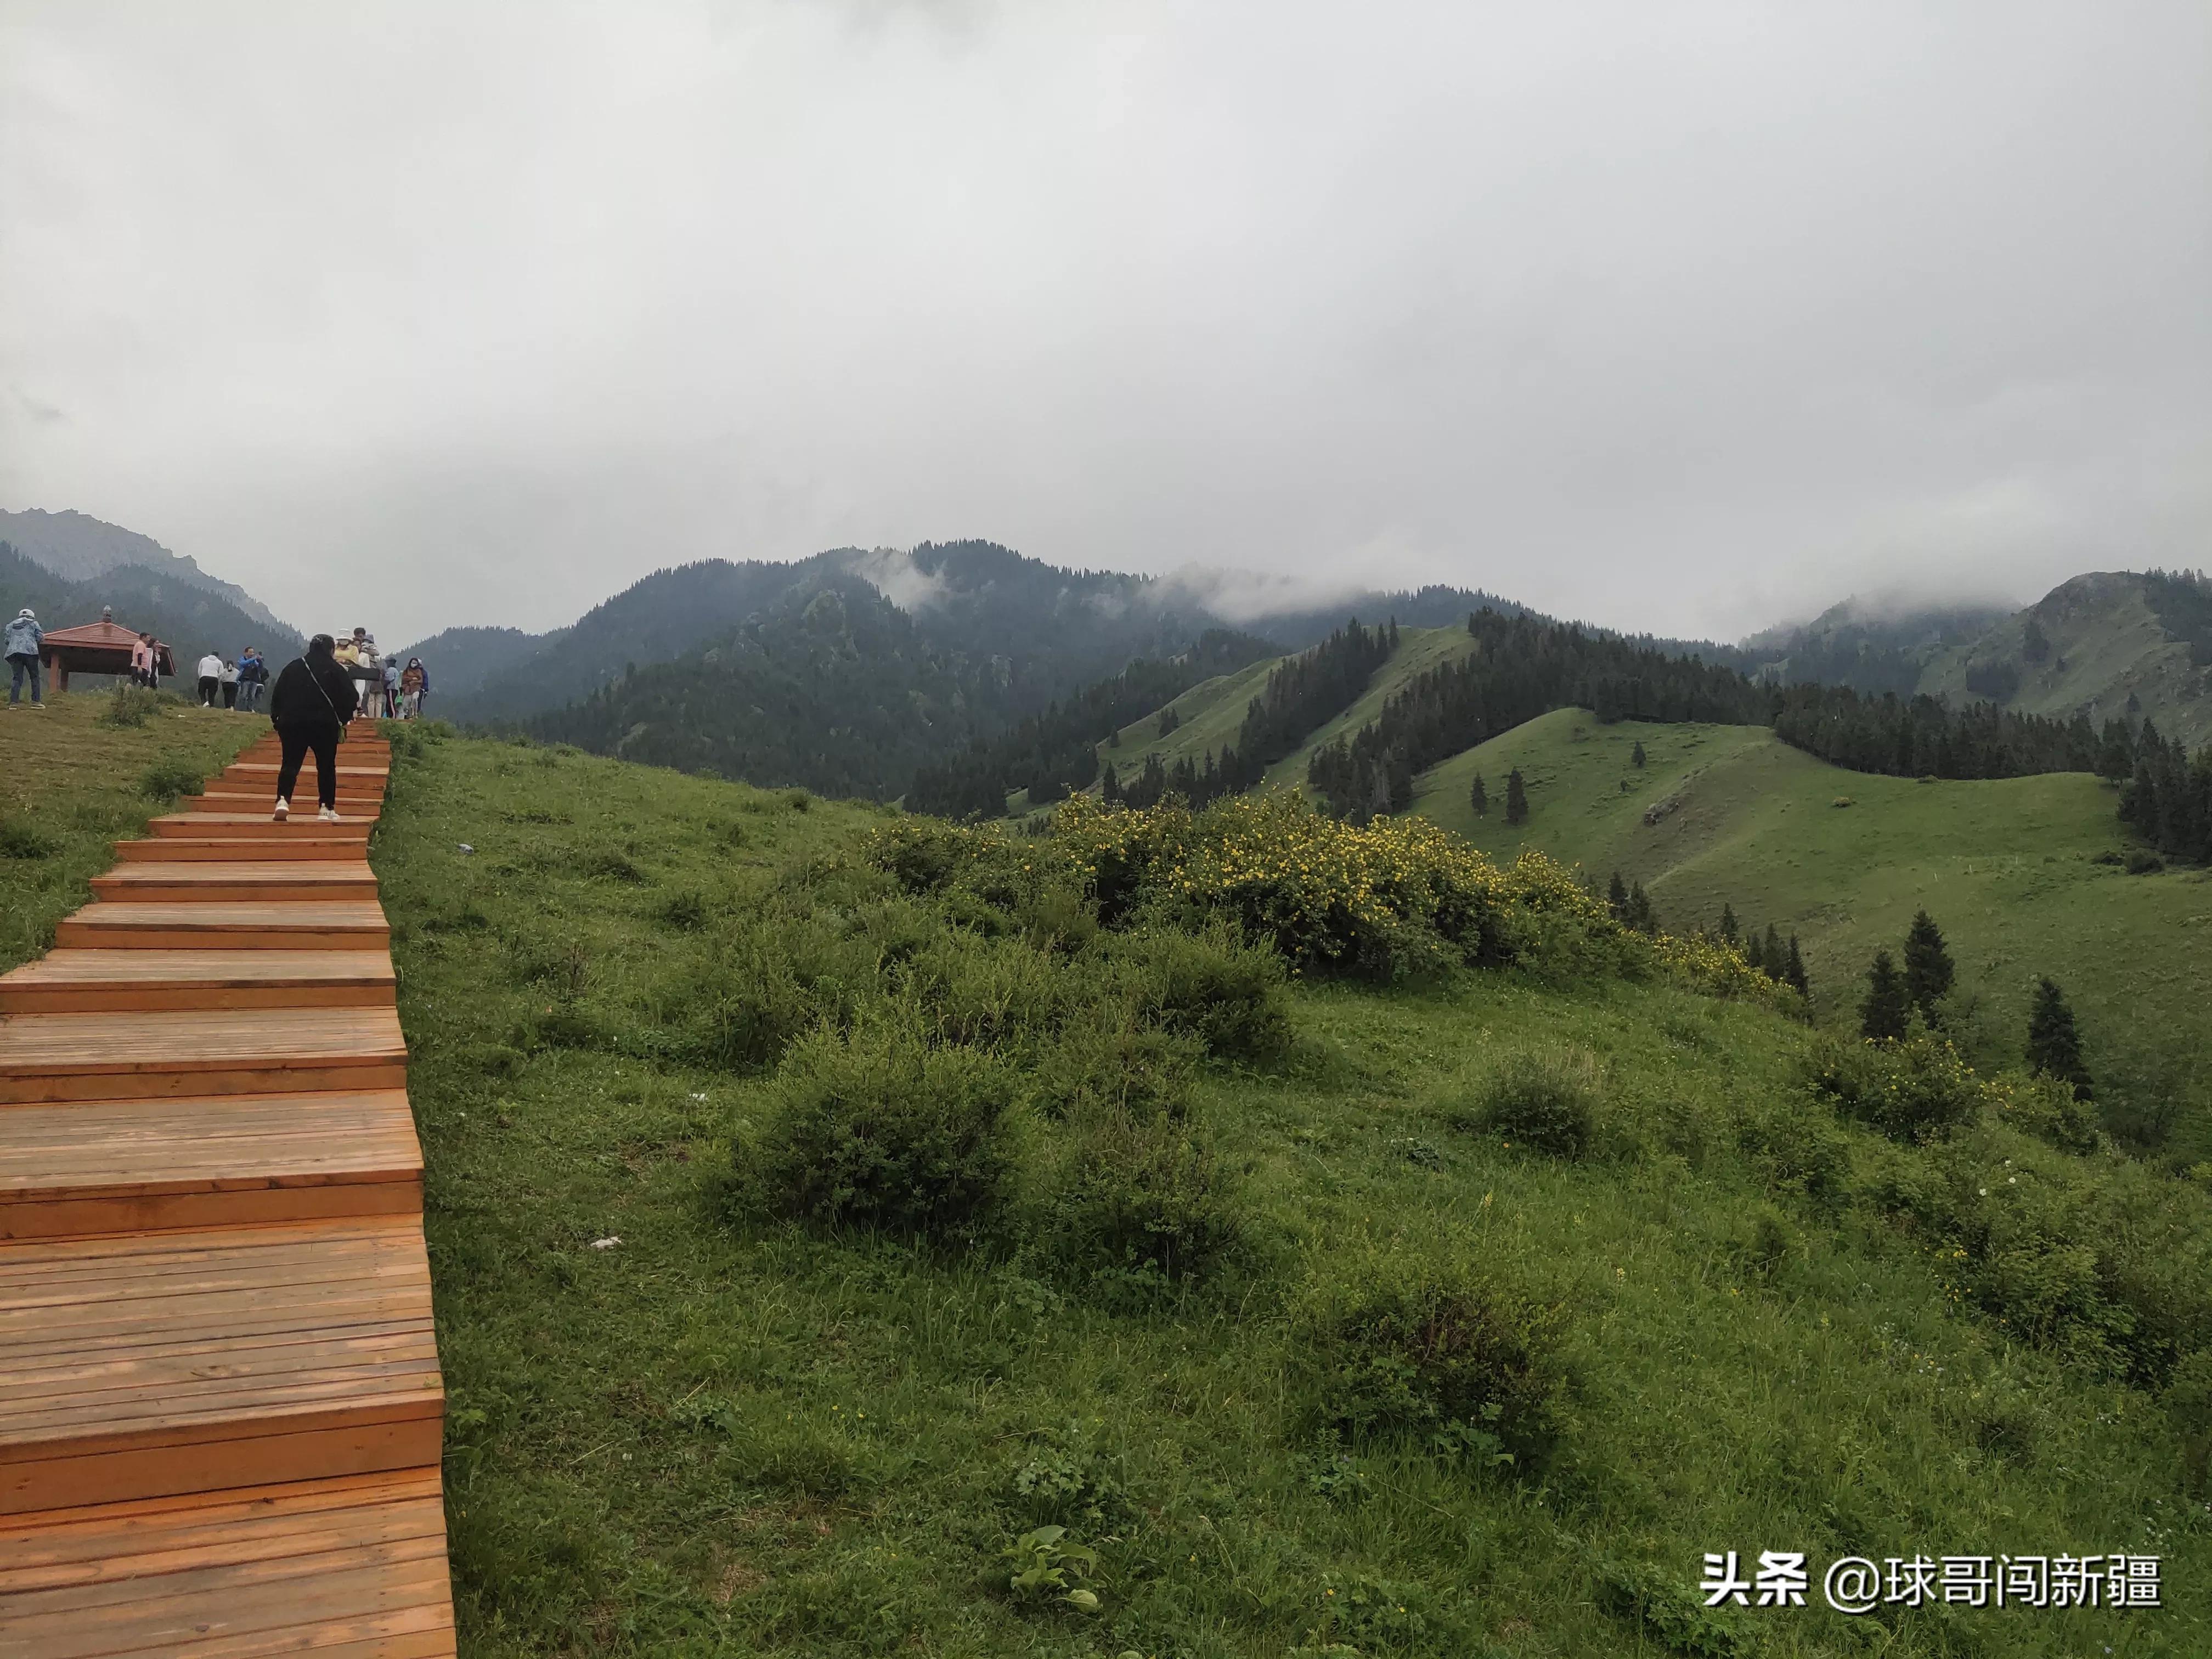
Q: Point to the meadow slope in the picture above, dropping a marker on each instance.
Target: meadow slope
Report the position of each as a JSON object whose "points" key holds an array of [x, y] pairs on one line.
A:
{"points": [[2005, 867], [680, 1426]]}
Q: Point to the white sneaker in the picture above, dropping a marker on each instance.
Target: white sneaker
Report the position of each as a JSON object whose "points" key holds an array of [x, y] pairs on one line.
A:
{"points": [[327, 814], [283, 809]]}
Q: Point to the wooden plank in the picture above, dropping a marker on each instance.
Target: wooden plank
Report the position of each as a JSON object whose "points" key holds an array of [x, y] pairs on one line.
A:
{"points": [[167, 1053], [322, 927], [256, 826], [273, 883], [76, 980], [241, 849]]}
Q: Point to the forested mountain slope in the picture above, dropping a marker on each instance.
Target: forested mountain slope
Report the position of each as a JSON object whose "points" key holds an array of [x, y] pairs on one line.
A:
{"points": [[190, 618], [84, 550]]}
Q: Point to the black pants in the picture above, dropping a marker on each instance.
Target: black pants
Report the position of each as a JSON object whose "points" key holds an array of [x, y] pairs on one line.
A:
{"points": [[297, 741], [207, 691], [230, 693]]}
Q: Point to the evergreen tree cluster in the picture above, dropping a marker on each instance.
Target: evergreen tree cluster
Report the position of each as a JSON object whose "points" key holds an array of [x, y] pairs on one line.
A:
{"points": [[1631, 905], [1522, 666], [1893, 997], [1299, 697], [2167, 796], [1920, 737], [1054, 752], [1780, 961]]}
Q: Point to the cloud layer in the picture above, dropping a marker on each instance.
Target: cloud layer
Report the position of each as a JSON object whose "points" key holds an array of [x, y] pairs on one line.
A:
{"points": [[1676, 318]]}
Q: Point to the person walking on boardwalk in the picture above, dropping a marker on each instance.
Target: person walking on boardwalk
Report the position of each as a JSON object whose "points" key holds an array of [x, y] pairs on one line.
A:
{"points": [[24, 637], [309, 706], [252, 674]]}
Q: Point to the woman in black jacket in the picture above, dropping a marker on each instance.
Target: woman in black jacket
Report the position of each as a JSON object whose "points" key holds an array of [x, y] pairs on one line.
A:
{"points": [[310, 704]]}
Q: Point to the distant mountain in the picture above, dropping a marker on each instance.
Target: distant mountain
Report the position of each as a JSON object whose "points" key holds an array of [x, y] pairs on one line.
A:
{"points": [[84, 549], [2110, 644], [190, 619], [460, 659], [1871, 649]]}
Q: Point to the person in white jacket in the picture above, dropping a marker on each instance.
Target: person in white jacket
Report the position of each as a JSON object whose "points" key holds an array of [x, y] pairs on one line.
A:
{"points": [[211, 679]]}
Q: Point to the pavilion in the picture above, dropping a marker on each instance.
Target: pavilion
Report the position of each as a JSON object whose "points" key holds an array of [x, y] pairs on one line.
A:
{"points": [[101, 647]]}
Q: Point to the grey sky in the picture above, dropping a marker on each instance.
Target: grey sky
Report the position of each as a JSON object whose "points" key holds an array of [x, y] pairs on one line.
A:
{"points": [[1681, 317]]}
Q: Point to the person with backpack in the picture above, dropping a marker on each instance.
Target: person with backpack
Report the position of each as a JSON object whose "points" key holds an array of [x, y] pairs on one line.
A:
{"points": [[24, 637], [309, 706]]}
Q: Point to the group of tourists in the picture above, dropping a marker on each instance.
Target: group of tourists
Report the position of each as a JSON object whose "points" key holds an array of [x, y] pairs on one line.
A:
{"points": [[223, 683], [382, 686]]}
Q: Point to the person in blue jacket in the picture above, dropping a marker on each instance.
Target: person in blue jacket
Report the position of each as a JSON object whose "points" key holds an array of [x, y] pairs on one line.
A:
{"points": [[24, 637], [253, 675]]}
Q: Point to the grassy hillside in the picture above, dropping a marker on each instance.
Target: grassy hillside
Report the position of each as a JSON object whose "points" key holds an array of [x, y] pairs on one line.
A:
{"points": [[2005, 867], [1212, 712], [72, 781], [680, 1426], [2089, 645]]}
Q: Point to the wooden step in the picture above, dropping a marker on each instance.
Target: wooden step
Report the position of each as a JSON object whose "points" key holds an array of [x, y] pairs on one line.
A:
{"points": [[167, 1053], [241, 849], [258, 827], [360, 809], [264, 795], [340, 925], [341, 1569], [76, 981], [136, 1367], [222, 1161], [258, 772], [280, 882]]}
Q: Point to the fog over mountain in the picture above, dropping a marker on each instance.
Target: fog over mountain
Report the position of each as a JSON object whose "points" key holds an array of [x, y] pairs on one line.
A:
{"points": [[1678, 318]]}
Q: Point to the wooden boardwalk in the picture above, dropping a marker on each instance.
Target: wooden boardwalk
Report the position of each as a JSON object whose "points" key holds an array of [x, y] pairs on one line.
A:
{"points": [[220, 1410]]}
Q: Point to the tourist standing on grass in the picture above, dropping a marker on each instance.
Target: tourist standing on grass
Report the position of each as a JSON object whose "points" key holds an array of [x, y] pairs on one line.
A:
{"points": [[392, 688], [229, 684], [309, 706], [252, 673], [24, 637], [210, 678], [412, 680], [142, 660]]}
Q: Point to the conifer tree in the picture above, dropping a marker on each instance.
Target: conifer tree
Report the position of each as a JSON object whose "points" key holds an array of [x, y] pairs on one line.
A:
{"points": [[1641, 917], [1771, 956], [1883, 1013], [1114, 739], [1730, 933], [1517, 798], [1792, 970], [1754, 952], [1169, 720], [1616, 897], [1636, 754], [1928, 970], [2054, 1045], [1479, 798], [1110, 786]]}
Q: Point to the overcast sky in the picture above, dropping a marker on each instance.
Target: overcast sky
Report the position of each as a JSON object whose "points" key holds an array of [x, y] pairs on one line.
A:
{"points": [[1671, 316]]}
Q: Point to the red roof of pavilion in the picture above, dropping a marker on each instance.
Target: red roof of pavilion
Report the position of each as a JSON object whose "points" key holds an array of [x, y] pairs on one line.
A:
{"points": [[96, 633]]}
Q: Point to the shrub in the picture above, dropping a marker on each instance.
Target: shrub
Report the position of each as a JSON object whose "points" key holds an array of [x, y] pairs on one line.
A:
{"points": [[883, 1132], [2188, 1402], [2142, 863], [1543, 1099], [1106, 1058], [19, 840], [685, 911], [1139, 1197], [771, 977], [1917, 1090], [165, 780], [1209, 985], [1410, 1348], [130, 706]]}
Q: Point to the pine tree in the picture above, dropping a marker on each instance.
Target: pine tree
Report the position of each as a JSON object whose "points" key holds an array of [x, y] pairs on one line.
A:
{"points": [[1616, 897], [1517, 798], [2054, 1045], [1114, 739], [1793, 971], [1110, 786], [1771, 956], [1730, 933], [1754, 952], [1479, 798], [1169, 720], [1883, 1014], [1640, 915], [1928, 970], [1636, 754]]}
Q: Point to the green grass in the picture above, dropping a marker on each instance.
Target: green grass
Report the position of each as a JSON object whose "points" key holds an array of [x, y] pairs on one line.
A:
{"points": [[726, 1438], [2004, 866], [70, 784]]}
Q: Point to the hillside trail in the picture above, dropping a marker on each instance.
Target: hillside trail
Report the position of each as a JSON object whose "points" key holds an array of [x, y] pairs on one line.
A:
{"points": [[220, 1408]]}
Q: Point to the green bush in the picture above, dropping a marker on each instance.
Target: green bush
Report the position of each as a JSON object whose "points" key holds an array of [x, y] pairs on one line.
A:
{"points": [[882, 1132], [770, 977], [130, 706], [1544, 1099], [19, 840], [1416, 1349], [1106, 1058], [1918, 1090], [165, 780], [2188, 1402], [1139, 1197], [2142, 863], [1210, 985]]}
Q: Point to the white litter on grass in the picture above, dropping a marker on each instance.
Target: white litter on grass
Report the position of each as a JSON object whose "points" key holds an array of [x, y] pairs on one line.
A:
{"points": [[698, 1096], [604, 1243], [466, 847]]}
